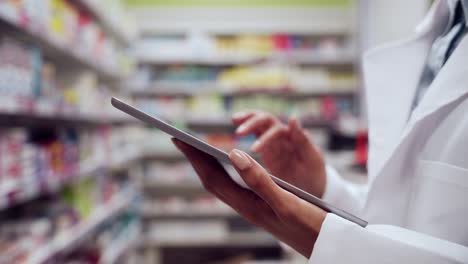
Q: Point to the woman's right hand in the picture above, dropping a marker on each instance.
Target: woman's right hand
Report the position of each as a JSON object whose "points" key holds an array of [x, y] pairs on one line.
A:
{"points": [[285, 150]]}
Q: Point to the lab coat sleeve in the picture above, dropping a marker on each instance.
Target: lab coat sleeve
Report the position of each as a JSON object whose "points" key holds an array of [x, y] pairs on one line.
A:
{"points": [[341, 241], [342, 193]]}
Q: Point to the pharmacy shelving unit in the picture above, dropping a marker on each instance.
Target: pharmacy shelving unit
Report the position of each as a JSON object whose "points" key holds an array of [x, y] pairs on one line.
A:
{"points": [[299, 58], [23, 191], [126, 241], [119, 29], [56, 50], [9, 118], [67, 241], [201, 250], [335, 22], [189, 214], [247, 239], [191, 89], [188, 89], [71, 59], [190, 189]]}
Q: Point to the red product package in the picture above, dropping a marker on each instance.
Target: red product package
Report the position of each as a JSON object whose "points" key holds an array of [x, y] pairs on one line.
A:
{"points": [[361, 147], [281, 41], [328, 108]]}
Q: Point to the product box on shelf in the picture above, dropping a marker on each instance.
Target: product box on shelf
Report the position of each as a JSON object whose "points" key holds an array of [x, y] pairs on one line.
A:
{"points": [[29, 84], [215, 108], [18, 74], [65, 26], [41, 228], [32, 162]]}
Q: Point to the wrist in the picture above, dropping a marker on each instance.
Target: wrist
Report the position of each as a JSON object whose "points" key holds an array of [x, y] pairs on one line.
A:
{"points": [[314, 222], [316, 225]]}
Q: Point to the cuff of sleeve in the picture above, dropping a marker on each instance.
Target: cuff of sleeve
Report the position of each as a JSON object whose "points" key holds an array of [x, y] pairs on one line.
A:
{"points": [[341, 241], [327, 248], [334, 187]]}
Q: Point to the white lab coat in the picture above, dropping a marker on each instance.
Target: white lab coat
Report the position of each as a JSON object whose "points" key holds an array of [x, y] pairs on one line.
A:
{"points": [[416, 200]]}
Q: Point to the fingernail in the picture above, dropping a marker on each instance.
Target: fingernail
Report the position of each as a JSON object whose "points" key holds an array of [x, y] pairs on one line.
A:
{"points": [[295, 122], [293, 118], [241, 129], [240, 160], [255, 146], [238, 115]]}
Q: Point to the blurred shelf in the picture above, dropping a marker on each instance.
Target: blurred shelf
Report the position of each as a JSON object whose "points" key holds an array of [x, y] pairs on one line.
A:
{"points": [[72, 238], [23, 191], [61, 53], [208, 61], [291, 57], [271, 30], [122, 161], [173, 88], [236, 239], [294, 94], [34, 119], [301, 19], [165, 155], [203, 88], [109, 23], [191, 189], [189, 214], [124, 243], [329, 59], [225, 124], [210, 124]]}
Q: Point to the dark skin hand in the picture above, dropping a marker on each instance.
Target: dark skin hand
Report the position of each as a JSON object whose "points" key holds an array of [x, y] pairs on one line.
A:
{"points": [[285, 150], [289, 218]]}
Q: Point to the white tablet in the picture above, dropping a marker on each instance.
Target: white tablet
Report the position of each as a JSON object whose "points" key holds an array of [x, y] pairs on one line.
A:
{"points": [[223, 158]]}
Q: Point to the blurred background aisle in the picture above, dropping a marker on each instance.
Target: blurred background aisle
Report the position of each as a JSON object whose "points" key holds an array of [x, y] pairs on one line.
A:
{"points": [[82, 183]]}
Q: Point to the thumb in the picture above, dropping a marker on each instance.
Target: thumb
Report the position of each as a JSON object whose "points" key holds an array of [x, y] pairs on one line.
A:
{"points": [[258, 179]]}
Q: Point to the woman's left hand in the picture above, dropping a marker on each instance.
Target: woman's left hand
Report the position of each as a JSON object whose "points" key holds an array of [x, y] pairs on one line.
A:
{"points": [[289, 218]]}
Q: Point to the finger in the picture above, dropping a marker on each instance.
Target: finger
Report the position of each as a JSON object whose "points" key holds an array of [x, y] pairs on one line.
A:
{"points": [[241, 117], [258, 179], [210, 171], [213, 176], [216, 181], [197, 156], [299, 138], [256, 124], [268, 137], [298, 134], [272, 153]]}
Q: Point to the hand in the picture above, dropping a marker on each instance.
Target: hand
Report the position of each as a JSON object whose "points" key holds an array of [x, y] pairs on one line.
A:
{"points": [[285, 150], [289, 218]]}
